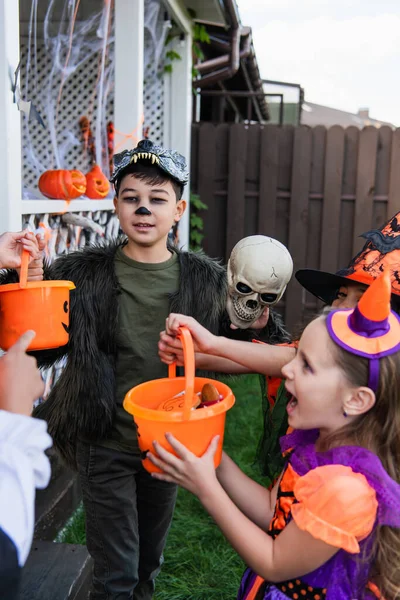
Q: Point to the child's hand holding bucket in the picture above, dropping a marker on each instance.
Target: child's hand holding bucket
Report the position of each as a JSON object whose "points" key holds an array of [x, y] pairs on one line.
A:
{"points": [[39, 305], [32, 269], [35, 267], [12, 246], [195, 474], [170, 350], [170, 346]]}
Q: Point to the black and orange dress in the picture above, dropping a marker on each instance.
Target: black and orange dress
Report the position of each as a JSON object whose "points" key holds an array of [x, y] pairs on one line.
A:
{"points": [[339, 496]]}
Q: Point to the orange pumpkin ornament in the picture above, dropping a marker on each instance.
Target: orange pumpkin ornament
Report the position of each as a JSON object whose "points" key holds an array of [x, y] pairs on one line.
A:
{"points": [[97, 184], [62, 184]]}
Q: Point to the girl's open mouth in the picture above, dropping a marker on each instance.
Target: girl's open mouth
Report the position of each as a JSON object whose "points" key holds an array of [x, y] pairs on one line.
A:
{"points": [[291, 405]]}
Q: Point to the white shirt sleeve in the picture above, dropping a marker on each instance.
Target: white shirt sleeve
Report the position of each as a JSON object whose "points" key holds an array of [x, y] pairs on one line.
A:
{"points": [[24, 466]]}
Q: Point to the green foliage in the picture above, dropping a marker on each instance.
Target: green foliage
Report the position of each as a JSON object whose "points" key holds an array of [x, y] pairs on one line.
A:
{"points": [[200, 35], [197, 203], [74, 531], [172, 55], [196, 221], [198, 51], [199, 562]]}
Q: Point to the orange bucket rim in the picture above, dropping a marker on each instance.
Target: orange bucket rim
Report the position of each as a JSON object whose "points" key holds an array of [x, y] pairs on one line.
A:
{"points": [[33, 285], [152, 414], [23, 283]]}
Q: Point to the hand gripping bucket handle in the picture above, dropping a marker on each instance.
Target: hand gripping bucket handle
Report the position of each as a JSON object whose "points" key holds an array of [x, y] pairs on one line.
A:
{"points": [[189, 362], [23, 275]]}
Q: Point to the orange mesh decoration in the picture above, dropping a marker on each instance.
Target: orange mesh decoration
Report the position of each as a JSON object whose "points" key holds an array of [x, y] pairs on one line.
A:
{"points": [[336, 506], [375, 590], [61, 184], [110, 144], [284, 501], [274, 383]]}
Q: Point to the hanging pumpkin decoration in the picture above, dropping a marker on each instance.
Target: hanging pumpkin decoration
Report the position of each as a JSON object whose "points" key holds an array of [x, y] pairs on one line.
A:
{"points": [[110, 145], [97, 184], [61, 184]]}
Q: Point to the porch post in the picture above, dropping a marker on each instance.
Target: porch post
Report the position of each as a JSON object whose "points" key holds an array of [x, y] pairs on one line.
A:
{"points": [[180, 117], [129, 68], [10, 125]]}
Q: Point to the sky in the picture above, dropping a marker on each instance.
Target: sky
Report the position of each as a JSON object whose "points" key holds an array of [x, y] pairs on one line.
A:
{"points": [[344, 53]]}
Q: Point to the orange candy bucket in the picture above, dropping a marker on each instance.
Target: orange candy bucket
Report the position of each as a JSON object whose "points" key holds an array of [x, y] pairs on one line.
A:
{"points": [[149, 404], [42, 306]]}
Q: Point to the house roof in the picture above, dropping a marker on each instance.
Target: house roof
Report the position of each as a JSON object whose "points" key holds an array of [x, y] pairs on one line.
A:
{"points": [[217, 73], [317, 114], [209, 11]]}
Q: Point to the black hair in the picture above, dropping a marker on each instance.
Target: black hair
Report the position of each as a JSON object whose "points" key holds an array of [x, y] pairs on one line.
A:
{"points": [[395, 303], [151, 174]]}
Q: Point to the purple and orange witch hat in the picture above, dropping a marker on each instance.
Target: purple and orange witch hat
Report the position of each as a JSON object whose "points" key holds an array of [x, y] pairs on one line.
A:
{"points": [[371, 329], [381, 251]]}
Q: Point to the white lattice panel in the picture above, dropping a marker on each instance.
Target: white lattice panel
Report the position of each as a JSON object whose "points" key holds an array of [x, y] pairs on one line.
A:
{"points": [[62, 83], [78, 99]]}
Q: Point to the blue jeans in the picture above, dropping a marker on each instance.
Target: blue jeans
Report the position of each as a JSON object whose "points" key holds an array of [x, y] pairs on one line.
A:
{"points": [[128, 515]]}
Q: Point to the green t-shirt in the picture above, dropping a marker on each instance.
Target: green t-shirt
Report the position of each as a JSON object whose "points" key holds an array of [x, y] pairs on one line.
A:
{"points": [[143, 308]]}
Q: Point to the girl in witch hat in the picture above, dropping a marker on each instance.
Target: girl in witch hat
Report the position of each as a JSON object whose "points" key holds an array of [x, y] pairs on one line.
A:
{"points": [[344, 288], [330, 528], [340, 290]]}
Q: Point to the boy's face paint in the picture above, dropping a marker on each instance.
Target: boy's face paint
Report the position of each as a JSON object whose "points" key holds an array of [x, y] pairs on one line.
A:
{"points": [[142, 210], [349, 295], [318, 386], [147, 212]]}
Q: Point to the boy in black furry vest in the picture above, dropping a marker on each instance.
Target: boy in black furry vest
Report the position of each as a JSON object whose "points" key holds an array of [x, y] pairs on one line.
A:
{"points": [[124, 292]]}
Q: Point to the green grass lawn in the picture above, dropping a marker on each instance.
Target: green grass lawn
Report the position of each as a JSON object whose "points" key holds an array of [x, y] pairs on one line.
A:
{"points": [[199, 563]]}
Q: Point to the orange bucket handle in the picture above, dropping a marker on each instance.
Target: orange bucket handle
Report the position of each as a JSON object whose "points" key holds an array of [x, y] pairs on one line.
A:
{"points": [[189, 362], [23, 274]]}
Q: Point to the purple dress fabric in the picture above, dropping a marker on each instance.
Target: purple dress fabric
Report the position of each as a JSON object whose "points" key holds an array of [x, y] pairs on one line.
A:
{"points": [[345, 575]]}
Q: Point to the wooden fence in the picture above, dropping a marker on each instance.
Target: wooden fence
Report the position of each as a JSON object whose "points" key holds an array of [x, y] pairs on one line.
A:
{"points": [[314, 189]]}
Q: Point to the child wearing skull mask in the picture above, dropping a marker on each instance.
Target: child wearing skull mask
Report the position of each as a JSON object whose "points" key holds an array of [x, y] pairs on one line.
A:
{"points": [[124, 292], [259, 269]]}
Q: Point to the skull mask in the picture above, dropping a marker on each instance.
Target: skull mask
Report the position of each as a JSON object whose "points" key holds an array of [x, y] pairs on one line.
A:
{"points": [[259, 270]]}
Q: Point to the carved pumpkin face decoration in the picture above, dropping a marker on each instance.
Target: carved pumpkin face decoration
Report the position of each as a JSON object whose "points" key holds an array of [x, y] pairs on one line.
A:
{"points": [[61, 184], [97, 184], [66, 310]]}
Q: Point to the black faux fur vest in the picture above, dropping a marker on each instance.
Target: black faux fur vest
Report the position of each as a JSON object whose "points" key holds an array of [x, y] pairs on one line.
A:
{"points": [[82, 402]]}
